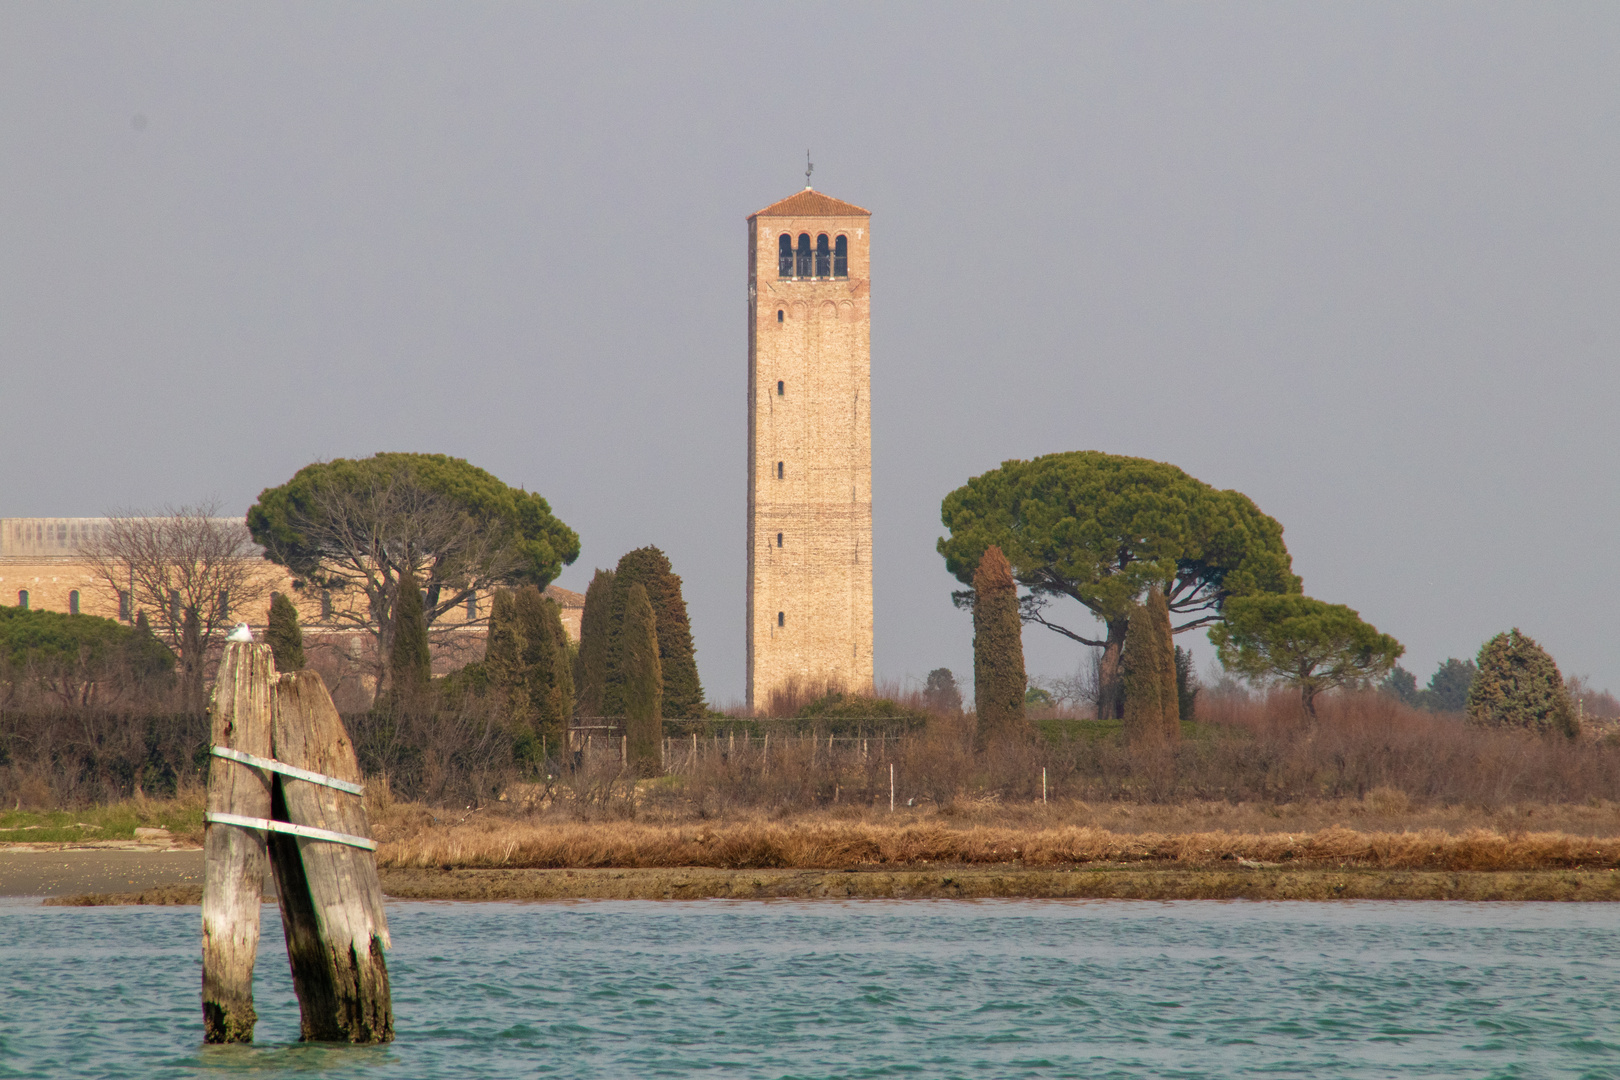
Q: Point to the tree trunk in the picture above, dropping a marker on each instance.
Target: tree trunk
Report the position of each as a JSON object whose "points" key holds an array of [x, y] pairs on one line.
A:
{"points": [[234, 857], [1110, 688], [331, 902]]}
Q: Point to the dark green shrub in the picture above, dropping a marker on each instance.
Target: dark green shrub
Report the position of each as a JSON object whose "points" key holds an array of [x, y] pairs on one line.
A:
{"points": [[1519, 686]]}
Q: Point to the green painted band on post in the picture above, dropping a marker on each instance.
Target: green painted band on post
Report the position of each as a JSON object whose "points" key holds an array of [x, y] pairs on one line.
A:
{"points": [[308, 832], [271, 765]]}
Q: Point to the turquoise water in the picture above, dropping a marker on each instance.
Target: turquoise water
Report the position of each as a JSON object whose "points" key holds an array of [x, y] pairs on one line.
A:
{"points": [[864, 989]]}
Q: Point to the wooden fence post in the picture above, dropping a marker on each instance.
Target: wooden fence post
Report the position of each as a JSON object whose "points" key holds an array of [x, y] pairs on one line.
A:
{"points": [[234, 857], [331, 902]]}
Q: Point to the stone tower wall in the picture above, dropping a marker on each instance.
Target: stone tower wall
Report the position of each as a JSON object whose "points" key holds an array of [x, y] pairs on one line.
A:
{"points": [[809, 594]]}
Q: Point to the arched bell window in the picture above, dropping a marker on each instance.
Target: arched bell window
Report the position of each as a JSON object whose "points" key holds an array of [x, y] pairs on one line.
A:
{"points": [[784, 256], [73, 602], [823, 257], [22, 599], [802, 268], [841, 257]]}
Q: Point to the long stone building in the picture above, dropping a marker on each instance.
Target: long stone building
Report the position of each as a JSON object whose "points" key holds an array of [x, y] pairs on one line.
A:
{"points": [[809, 447], [41, 568]]}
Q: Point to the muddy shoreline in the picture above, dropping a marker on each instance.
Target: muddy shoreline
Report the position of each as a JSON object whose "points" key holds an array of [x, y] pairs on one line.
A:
{"points": [[967, 883]]}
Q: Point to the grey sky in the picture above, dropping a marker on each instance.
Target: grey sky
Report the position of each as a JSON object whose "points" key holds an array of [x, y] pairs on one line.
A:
{"points": [[1357, 261]]}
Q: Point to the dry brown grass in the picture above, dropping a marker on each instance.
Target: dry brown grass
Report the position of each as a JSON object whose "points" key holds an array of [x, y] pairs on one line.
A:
{"points": [[825, 842]]}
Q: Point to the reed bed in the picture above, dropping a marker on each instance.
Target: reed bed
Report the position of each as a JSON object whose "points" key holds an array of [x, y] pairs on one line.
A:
{"points": [[831, 845]]}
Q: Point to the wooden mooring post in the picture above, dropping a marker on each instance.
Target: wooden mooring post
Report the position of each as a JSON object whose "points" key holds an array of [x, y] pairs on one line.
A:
{"points": [[234, 857], [283, 766], [331, 902]]}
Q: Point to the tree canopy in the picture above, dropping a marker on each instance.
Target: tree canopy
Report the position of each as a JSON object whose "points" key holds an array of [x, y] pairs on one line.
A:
{"points": [[1100, 529], [78, 659], [352, 526], [1310, 644], [1519, 685]]}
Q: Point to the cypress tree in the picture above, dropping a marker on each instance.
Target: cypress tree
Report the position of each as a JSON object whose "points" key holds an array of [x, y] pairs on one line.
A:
{"points": [[1519, 685], [504, 663], [999, 680], [191, 663], [548, 682], [1186, 685], [591, 663], [1158, 612], [683, 693], [643, 686], [410, 664], [286, 640], [1142, 679]]}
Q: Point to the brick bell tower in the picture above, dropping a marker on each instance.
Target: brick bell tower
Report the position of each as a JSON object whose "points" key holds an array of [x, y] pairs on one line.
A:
{"points": [[809, 446]]}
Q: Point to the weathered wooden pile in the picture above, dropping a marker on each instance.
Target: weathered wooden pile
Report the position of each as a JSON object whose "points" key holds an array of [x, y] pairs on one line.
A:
{"points": [[284, 786]]}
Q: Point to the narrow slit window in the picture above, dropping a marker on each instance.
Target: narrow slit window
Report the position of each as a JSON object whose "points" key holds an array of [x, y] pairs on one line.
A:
{"points": [[779, 470], [781, 388], [823, 257], [841, 257], [784, 259], [802, 269], [778, 539], [778, 314], [73, 602], [22, 599], [781, 618], [326, 603]]}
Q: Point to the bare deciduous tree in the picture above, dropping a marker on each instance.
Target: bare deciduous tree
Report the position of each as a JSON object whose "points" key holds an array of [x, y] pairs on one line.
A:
{"points": [[191, 571]]}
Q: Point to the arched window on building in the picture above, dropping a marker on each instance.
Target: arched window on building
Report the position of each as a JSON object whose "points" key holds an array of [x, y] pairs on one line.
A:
{"points": [[124, 605], [781, 618], [841, 257], [784, 259], [778, 539], [778, 314], [823, 257], [22, 599], [781, 388], [222, 607], [803, 267], [472, 608], [73, 602], [174, 607], [779, 470], [326, 605]]}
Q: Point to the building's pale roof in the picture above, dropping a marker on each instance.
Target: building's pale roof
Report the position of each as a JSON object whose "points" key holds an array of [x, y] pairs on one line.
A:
{"points": [[567, 598], [812, 203]]}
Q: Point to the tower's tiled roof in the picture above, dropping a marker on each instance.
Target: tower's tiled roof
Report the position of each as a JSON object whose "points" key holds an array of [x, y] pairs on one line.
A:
{"points": [[812, 203]]}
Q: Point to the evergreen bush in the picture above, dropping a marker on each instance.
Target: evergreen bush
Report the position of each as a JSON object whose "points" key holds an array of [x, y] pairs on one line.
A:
{"points": [[1518, 685]]}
